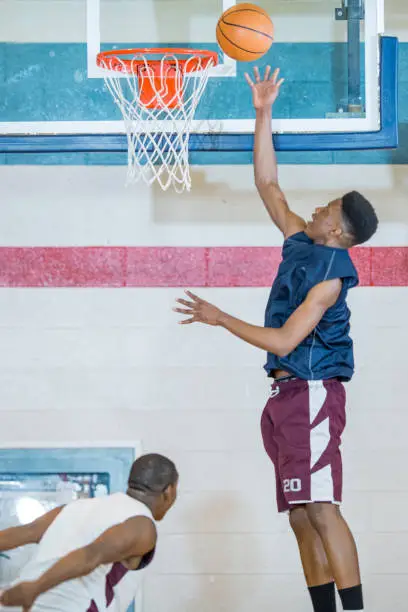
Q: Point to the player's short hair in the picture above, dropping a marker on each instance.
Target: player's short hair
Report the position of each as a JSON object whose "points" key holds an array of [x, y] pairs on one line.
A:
{"points": [[359, 217], [152, 473]]}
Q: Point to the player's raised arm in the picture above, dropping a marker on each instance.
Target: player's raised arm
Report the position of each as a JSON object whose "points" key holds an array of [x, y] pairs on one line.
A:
{"points": [[265, 91]]}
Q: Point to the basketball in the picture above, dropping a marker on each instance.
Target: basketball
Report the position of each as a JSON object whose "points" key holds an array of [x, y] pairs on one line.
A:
{"points": [[245, 32]]}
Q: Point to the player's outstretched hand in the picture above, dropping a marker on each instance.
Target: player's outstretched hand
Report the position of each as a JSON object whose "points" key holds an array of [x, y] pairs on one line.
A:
{"points": [[266, 90], [198, 311]]}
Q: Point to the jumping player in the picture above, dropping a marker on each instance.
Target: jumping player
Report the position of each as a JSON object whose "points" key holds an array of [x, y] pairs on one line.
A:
{"points": [[309, 356], [86, 548]]}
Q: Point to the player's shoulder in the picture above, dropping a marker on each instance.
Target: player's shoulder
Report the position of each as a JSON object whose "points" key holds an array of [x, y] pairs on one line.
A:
{"points": [[294, 224], [332, 263], [298, 235], [297, 242]]}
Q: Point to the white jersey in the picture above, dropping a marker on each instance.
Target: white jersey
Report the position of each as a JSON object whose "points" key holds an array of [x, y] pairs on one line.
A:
{"points": [[77, 525]]}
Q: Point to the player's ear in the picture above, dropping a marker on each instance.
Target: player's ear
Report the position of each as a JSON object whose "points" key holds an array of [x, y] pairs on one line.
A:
{"points": [[170, 493], [167, 493]]}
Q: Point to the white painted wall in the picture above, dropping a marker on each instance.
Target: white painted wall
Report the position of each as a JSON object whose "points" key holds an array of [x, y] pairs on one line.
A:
{"points": [[80, 206]]}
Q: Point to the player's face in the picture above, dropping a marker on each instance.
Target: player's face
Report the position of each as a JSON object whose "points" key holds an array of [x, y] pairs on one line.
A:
{"points": [[326, 222]]}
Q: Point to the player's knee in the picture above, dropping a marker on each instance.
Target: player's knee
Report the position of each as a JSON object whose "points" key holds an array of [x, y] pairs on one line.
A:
{"points": [[299, 521], [322, 515]]}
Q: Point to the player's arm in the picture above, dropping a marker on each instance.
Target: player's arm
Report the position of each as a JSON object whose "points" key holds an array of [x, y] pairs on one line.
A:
{"points": [[280, 341], [265, 93], [266, 177], [132, 538], [13, 537]]}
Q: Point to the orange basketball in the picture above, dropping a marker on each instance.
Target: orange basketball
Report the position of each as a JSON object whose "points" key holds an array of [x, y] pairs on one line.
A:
{"points": [[245, 32]]}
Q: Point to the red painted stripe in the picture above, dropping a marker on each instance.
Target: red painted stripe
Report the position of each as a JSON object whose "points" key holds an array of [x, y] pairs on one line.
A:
{"points": [[389, 267], [62, 267], [176, 266]]}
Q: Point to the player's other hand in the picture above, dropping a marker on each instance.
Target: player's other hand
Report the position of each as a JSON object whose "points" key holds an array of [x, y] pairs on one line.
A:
{"points": [[198, 311], [23, 594], [266, 90]]}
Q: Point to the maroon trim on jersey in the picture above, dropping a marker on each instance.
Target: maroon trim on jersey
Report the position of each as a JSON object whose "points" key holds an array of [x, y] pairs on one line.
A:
{"points": [[117, 572], [112, 579]]}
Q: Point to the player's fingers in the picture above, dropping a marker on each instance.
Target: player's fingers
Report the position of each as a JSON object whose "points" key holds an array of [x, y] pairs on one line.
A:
{"points": [[183, 311], [188, 321], [194, 297], [275, 75], [185, 303], [267, 73], [248, 80], [257, 74]]}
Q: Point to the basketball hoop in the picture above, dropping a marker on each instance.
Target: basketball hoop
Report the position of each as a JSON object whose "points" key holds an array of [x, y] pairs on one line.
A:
{"points": [[157, 97]]}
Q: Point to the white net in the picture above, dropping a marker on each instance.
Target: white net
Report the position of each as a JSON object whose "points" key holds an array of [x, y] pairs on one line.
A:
{"points": [[158, 101]]}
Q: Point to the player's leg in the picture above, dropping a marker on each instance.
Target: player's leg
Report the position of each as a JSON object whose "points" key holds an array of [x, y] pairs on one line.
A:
{"points": [[313, 556], [341, 552], [315, 564], [314, 561], [327, 422]]}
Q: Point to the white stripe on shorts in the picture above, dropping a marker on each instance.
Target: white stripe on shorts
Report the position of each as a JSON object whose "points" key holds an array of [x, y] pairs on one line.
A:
{"points": [[321, 486]]}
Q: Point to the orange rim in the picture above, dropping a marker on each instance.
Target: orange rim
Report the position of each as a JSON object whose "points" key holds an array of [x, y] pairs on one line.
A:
{"points": [[111, 60]]}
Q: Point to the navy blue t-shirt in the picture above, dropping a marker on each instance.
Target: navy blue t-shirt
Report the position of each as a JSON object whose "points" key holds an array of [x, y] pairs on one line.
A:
{"points": [[328, 351]]}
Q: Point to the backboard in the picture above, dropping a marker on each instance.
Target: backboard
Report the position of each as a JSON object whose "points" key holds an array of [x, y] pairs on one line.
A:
{"points": [[340, 74]]}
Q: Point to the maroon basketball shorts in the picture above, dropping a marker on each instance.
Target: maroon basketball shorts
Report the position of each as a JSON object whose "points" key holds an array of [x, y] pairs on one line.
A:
{"points": [[301, 427]]}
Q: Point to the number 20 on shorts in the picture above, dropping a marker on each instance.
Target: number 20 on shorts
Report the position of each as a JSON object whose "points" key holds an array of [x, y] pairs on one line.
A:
{"points": [[292, 485]]}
